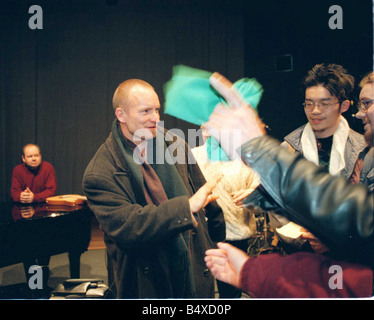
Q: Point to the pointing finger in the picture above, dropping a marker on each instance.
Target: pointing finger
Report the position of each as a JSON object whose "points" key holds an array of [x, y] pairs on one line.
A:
{"points": [[226, 89]]}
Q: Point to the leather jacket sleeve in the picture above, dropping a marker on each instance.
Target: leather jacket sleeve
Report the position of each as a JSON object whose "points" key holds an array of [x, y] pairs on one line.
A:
{"points": [[338, 213]]}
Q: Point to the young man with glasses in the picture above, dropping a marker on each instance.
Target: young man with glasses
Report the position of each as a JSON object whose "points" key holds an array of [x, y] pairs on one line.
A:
{"points": [[326, 140]]}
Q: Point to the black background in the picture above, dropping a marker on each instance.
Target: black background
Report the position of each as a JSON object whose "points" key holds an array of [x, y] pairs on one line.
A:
{"points": [[57, 83]]}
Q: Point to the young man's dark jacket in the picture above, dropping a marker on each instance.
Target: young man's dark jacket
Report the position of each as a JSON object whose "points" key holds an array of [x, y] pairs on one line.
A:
{"points": [[139, 237]]}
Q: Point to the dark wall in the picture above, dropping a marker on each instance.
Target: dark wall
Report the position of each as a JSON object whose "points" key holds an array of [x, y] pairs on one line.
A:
{"points": [[57, 83], [300, 28]]}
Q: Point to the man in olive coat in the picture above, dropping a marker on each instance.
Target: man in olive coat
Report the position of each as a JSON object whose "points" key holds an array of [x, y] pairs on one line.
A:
{"points": [[152, 202]]}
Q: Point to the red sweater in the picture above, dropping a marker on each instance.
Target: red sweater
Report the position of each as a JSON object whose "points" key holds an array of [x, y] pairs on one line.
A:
{"points": [[304, 275], [42, 182]]}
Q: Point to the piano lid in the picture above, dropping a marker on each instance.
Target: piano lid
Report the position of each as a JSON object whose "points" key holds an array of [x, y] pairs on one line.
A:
{"points": [[17, 212]]}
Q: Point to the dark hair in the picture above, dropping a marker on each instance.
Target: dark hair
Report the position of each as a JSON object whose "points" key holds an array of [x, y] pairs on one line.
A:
{"points": [[333, 77]]}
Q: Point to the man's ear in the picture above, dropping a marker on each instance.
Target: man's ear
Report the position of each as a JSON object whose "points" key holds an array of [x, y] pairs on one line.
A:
{"points": [[344, 106], [23, 158], [121, 115]]}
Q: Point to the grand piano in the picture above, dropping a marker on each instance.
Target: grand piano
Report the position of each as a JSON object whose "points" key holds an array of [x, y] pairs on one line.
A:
{"points": [[39, 230]]}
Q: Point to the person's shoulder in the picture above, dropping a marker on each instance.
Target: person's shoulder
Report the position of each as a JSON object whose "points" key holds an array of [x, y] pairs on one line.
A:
{"points": [[47, 165], [106, 160], [293, 139], [295, 133], [19, 167], [356, 138], [356, 135]]}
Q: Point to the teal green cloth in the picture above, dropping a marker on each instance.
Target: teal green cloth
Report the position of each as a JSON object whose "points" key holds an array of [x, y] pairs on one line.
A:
{"points": [[190, 97]]}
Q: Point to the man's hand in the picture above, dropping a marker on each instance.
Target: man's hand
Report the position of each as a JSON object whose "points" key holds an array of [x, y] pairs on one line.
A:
{"points": [[226, 262], [240, 195], [315, 243], [27, 196], [232, 126], [203, 196], [27, 211]]}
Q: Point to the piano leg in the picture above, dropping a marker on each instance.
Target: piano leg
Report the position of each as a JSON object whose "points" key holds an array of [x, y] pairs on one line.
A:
{"points": [[74, 259]]}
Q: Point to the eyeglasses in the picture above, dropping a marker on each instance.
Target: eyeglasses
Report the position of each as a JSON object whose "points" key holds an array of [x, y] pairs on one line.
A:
{"points": [[322, 105], [364, 105]]}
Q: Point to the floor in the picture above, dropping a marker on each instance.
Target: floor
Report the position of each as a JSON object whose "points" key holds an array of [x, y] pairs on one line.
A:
{"points": [[13, 283], [93, 266], [97, 234]]}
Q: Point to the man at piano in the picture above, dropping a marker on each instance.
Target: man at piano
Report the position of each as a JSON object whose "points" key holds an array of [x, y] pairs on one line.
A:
{"points": [[34, 180]]}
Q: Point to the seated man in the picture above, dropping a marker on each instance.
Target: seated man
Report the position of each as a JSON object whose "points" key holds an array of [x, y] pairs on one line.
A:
{"points": [[34, 180]]}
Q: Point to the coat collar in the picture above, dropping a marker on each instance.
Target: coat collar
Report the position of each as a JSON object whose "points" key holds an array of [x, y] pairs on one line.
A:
{"points": [[169, 173]]}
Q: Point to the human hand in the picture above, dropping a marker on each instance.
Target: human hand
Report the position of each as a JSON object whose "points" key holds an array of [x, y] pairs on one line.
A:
{"points": [[234, 125], [27, 196], [204, 195], [315, 243], [226, 262], [240, 195], [27, 212]]}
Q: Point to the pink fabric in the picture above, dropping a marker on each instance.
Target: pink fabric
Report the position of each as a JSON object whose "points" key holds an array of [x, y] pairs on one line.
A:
{"points": [[304, 275]]}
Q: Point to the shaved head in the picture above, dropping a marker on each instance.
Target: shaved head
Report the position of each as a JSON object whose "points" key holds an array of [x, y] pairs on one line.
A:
{"points": [[136, 106], [126, 92]]}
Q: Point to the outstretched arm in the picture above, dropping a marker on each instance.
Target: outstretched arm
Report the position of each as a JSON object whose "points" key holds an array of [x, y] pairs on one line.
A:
{"points": [[226, 263]]}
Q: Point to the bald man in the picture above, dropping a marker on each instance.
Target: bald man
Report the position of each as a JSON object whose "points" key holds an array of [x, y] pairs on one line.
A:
{"points": [[158, 216], [34, 180]]}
